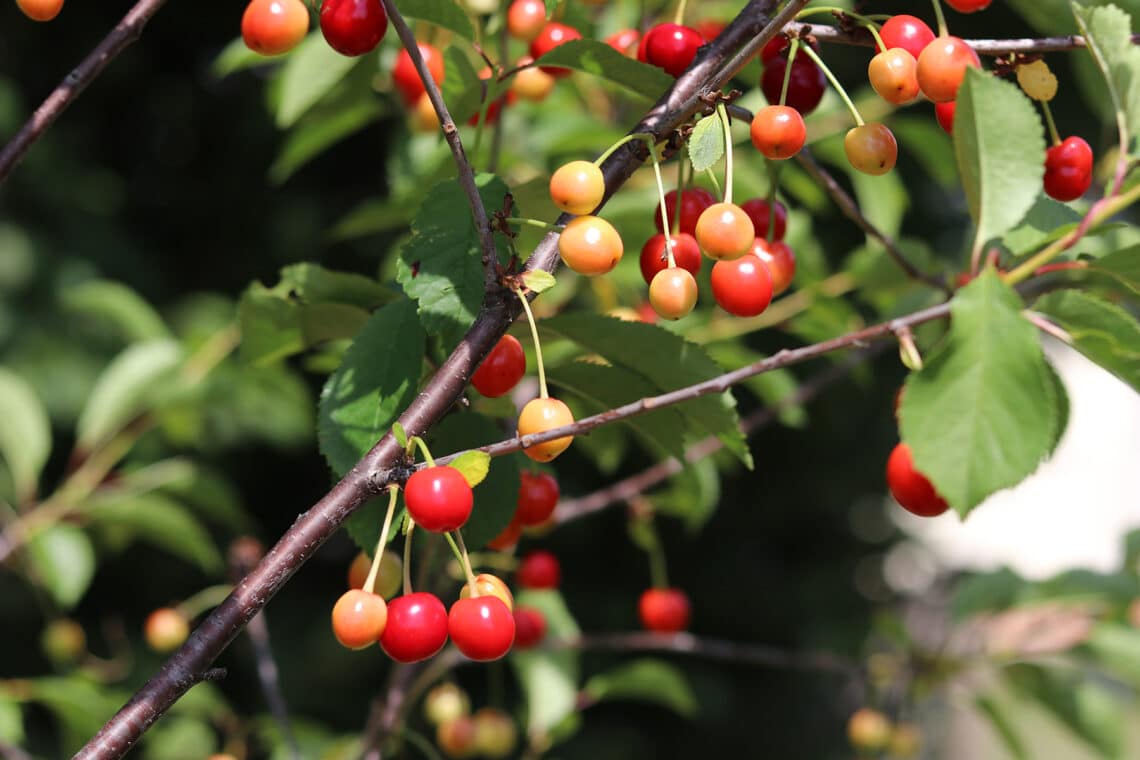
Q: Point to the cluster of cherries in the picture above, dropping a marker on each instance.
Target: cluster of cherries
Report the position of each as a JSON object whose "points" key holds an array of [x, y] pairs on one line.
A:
{"points": [[488, 732]]}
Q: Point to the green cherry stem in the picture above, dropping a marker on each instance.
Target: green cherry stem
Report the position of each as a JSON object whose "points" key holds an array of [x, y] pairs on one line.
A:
{"points": [[464, 562], [417, 441], [664, 210], [726, 125], [1052, 125], [206, 599], [943, 30], [835, 83], [370, 581], [643, 136], [534, 223], [680, 192], [679, 16], [873, 28], [715, 182], [542, 391], [408, 554], [788, 69]]}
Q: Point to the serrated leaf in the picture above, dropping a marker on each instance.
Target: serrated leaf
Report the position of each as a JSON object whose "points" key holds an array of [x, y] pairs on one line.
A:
{"points": [[473, 465], [309, 73], [11, 721], [1059, 399], [645, 680], [441, 266], [598, 58], [1102, 331], [159, 521], [118, 306], [981, 415], [25, 434], [706, 145], [320, 131], [549, 679], [1079, 702], [375, 382], [538, 280], [462, 89], [667, 361], [1006, 731], [63, 561], [443, 13], [1000, 146], [1107, 32], [1123, 265], [125, 389]]}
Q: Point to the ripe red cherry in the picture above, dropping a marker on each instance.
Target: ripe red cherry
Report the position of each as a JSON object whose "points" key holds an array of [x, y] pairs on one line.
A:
{"points": [[525, 19], [778, 132], [968, 6], [893, 74], [686, 253], [405, 77], [805, 86], [40, 10], [359, 618], [530, 627], [942, 66], [742, 286], [538, 496], [694, 201], [944, 112], [438, 498], [664, 610], [625, 41], [353, 27], [906, 32], [778, 47], [1068, 169], [539, 569], [502, 369], [781, 262], [507, 538], [759, 212], [551, 36], [671, 47], [724, 231], [482, 628], [273, 27], [417, 627], [910, 487]]}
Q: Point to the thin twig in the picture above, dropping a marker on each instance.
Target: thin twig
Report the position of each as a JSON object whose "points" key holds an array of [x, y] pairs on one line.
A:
{"points": [[826, 33]]}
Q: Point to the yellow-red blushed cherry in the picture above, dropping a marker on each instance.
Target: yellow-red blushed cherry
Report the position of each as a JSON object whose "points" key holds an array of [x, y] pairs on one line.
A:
{"points": [[439, 499], [664, 610], [780, 260], [489, 585], [40, 10], [495, 732], [942, 67], [911, 489], [405, 77], [502, 368], [724, 231], [446, 702], [540, 415], [894, 75], [525, 19], [673, 293], [871, 148], [625, 41], [551, 36], [868, 730], [532, 83], [388, 577], [165, 629], [482, 628], [358, 618], [456, 736], [590, 245], [778, 132], [273, 27], [577, 187]]}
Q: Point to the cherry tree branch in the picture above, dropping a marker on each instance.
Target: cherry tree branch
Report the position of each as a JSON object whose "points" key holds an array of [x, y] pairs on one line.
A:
{"points": [[861, 37], [125, 32]]}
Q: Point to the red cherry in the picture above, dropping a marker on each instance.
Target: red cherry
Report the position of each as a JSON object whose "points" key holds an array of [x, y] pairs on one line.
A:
{"points": [[539, 569], [525, 19], [353, 27], [944, 112], [906, 32], [742, 286], [686, 253], [530, 627], [482, 628], [551, 36], [507, 538], [910, 487], [405, 77], [1068, 169], [694, 201], [805, 86], [625, 42], [710, 29], [777, 47], [438, 498], [759, 212], [502, 369], [538, 496], [664, 610], [781, 262], [671, 47], [968, 6], [416, 629], [942, 66], [268, 27], [778, 132]]}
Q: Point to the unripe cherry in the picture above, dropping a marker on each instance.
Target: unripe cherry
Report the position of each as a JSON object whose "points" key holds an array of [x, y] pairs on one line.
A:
{"points": [[40, 10], [673, 293], [577, 187], [165, 629], [532, 83], [489, 585], [359, 618], [724, 231], [540, 415], [590, 245], [894, 76], [525, 19], [871, 148], [273, 27]]}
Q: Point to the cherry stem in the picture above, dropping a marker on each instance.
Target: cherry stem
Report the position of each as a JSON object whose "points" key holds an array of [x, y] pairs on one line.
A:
{"points": [[645, 137], [715, 182], [542, 391], [680, 196], [664, 212], [943, 30], [206, 599], [534, 223], [417, 441], [658, 573], [795, 48], [370, 581], [726, 125], [679, 16], [774, 168], [464, 561], [873, 28], [835, 83], [408, 554], [1049, 123]]}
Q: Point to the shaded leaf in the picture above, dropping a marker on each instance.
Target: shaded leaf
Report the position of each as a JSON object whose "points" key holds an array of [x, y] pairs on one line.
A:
{"points": [[693, 494], [63, 561], [598, 58], [80, 706], [473, 465], [1046, 221], [1107, 31], [462, 89], [1006, 731], [310, 71], [25, 433], [443, 13], [235, 57], [1123, 265], [646, 680], [313, 136], [126, 388], [706, 145], [160, 521], [1102, 331], [1076, 700], [118, 306], [549, 679], [11, 721]]}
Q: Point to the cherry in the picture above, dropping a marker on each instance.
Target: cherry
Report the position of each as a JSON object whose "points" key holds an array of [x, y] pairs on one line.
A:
{"points": [[806, 84], [673, 292], [664, 610], [968, 6], [779, 259], [894, 75], [694, 201], [910, 487], [942, 66], [353, 27], [489, 585], [742, 286], [439, 499], [944, 112], [165, 629], [871, 148], [686, 253], [590, 245], [424, 117], [759, 212], [1068, 169], [710, 29], [906, 32], [496, 105], [868, 730], [577, 187], [407, 79], [388, 577], [502, 369], [417, 627], [495, 733], [540, 415], [482, 628], [539, 569], [778, 132], [538, 496], [507, 538], [724, 231], [625, 42], [446, 702], [64, 641], [551, 36], [773, 48], [358, 618], [525, 19], [272, 27], [40, 10], [456, 737], [671, 47], [530, 627], [532, 83]]}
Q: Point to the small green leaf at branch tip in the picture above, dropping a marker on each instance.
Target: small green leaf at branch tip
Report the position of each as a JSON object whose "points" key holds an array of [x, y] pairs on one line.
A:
{"points": [[1106, 29], [25, 436], [1102, 331], [538, 280], [400, 435], [706, 145], [473, 465], [645, 680]]}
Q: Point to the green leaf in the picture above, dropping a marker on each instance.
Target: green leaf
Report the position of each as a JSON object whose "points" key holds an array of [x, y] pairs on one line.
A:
{"points": [[667, 361], [118, 306], [883, 200], [598, 58], [25, 434], [179, 738], [310, 71], [1060, 402], [985, 592], [235, 57], [371, 217], [11, 721], [646, 680], [474, 466], [400, 435], [63, 561], [207, 492], [1117, 648], [1102, 331], [1123, 265], [982, 414], [693, 495], [443, 13], [160, 521], [318, 132], [1107, 31], [462, 90], [1000, 146], [1078, 701], [1045, 221], [127, 387], [538, 280], [376, 380], [1004, 727], [441, 266], [549, 679], [80, 706], [706, 145]]}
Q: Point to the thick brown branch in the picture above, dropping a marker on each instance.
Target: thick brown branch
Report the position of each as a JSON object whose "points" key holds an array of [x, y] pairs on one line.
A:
{"points": [[826, 33], [125, 32]]}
